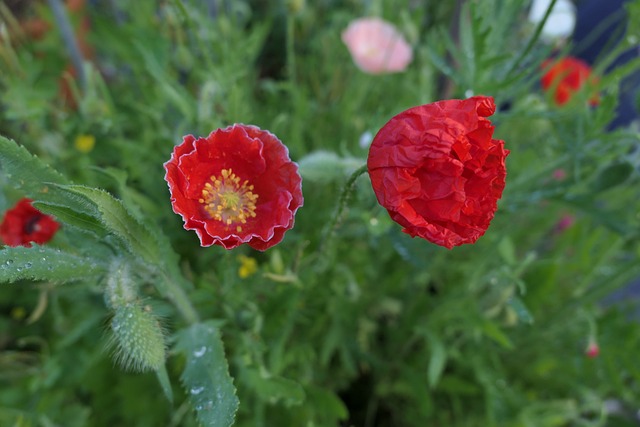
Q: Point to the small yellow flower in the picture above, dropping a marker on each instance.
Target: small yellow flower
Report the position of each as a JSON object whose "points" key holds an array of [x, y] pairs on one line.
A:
{"points": [[248, 266], [85, 143]]}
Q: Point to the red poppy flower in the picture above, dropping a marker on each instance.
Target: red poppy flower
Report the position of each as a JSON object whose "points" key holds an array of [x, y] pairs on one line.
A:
{"points": [[437, 170], [24, 224], [567, 76], [235, 186]]}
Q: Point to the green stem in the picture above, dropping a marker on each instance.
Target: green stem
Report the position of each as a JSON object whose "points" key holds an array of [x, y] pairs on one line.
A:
{"points": [[532, 41], [291, 55], [70, 41], [175, 292], [342, 206]]}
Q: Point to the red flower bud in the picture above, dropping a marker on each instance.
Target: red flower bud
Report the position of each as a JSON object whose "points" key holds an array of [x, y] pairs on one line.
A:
{"points": [[593, 350]]}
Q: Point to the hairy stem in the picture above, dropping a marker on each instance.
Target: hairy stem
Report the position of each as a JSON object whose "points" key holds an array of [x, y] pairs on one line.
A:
{"points": [[337, 218]]}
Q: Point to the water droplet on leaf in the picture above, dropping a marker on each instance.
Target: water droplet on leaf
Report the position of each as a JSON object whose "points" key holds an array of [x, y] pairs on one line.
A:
{"points": [[196, 390], [200, 352]]}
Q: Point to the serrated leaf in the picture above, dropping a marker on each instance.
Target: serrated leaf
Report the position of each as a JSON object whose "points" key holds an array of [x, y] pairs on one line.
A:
{"points": [[273, 388], [42, 263], [26, 171], [206, 375], [117, 219], [72, 217], [38, 180]]}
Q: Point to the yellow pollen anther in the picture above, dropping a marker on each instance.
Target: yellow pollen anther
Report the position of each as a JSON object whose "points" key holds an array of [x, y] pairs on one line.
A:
{"points": [[225, 199]]}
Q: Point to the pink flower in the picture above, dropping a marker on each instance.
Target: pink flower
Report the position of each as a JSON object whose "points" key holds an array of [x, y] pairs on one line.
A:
{"points": [[376, 46]]}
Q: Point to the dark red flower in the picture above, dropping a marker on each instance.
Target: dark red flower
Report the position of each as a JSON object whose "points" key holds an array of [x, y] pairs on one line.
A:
{"points": [[235, 186], [567, 76], [438, 171], [24, 224]]}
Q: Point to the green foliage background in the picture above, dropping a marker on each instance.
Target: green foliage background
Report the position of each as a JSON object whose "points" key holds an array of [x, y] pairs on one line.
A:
{"points": [[363, 327]]}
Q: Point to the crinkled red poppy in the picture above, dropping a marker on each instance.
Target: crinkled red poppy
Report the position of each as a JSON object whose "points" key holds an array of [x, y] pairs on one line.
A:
{"points": [[438, 171], [567, 76], [24, 224], [238, 185]]}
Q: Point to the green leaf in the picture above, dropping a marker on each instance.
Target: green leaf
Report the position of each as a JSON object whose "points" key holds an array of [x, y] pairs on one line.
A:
{"points": [[492, 331], [273, 388], [117, 219], [165, 382], [206, 375], [73, 218], [43, 263], [613, 175], [325, 166], [521, 310], [38, 180], [437, 361], [328, 404], [26, 171]]}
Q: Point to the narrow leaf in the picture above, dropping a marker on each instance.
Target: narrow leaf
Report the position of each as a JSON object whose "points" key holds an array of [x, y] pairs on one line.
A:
{"points": [[165, 382], [437, 361], [42, 263], [206, 375]]}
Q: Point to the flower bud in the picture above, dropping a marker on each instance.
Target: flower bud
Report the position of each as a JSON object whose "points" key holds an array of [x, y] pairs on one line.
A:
{"points": [[138, 338]]}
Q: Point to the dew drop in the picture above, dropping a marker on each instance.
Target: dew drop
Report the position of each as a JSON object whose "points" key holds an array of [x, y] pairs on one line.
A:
{"points": [[18, 269], [196, 390], [199, 408], [130, 315], [200, 352], [9, 262], [28, 265]]}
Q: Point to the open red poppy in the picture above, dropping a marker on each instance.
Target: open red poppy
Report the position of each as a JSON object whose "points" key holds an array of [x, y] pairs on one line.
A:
{"points": [[438, 171], [24, 224], [238, 185]]}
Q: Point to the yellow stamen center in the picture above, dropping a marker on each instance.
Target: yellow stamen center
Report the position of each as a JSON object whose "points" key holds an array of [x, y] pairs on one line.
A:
{"points": [[228, 200]]}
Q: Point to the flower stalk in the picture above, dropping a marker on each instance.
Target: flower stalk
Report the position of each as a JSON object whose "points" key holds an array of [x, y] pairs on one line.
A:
{"points": [[343, 201]]}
